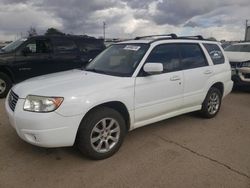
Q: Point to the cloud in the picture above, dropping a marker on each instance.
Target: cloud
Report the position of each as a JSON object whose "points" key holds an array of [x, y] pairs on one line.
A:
{"points": [[126, 18]]}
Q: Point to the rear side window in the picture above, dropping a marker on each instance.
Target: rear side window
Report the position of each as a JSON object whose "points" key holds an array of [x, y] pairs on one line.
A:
{"points": [[215, 53], [64, 45], [192, 56], [168, 55], [90, 45]]}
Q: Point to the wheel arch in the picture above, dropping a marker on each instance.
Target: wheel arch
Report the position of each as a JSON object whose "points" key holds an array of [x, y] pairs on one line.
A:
{"points": [[219, 86], [8, 72], [116, 105]]}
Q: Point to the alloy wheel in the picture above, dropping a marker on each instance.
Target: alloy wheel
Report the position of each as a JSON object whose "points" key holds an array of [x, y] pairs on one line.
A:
{"points": [[2, 86], [105, 135], [213, 103]]}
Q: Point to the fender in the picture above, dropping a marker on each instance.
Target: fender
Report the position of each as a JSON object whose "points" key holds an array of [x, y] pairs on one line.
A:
{"points": [[7, 70]]}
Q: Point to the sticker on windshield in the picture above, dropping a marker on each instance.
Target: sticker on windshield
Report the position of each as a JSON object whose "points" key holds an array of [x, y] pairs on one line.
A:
{"points": [[132, 47]]}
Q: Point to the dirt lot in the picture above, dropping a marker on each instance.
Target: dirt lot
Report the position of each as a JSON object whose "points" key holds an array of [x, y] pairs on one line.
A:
{"points": [[185, 151]]}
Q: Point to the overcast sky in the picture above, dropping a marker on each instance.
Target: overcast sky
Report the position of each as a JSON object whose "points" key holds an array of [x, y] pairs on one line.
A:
{"points": [[222, 19]]}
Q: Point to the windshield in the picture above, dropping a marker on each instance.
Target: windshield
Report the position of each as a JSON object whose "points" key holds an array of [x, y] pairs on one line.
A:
{"points": [[238, 48], [13, 45], [118, 59]]}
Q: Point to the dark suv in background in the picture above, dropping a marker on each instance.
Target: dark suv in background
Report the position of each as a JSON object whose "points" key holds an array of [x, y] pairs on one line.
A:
{"points": [[39, 55]]}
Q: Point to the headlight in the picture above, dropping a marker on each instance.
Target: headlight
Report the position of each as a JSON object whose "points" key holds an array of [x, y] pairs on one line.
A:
{"points": [[42, 104], [246, 64]]}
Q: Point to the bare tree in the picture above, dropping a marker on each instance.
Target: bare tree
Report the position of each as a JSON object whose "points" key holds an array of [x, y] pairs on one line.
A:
{"points": [[32, 32]]}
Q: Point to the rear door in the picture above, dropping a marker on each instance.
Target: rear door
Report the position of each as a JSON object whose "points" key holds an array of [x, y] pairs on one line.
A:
{"points": [[89, 49], [196, 72], [66, 54]]}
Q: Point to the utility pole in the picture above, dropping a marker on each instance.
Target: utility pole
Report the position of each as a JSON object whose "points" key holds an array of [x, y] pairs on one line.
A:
{"points": [[104, 27], [246, 30]]}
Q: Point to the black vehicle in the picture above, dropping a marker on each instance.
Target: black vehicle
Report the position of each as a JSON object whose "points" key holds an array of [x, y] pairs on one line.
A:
{"points": [[39, 55]]}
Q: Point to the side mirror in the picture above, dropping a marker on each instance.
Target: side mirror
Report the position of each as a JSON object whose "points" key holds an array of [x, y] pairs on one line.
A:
{"points": [[26, 51], [153, 68]]}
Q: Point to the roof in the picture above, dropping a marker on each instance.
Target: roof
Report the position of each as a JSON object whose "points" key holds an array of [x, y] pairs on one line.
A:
{"points": [[85, 37]]}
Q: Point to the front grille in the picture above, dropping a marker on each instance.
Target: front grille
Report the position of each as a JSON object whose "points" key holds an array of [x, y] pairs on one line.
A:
{"points": [[247, 76], [236, 64], [13, 98]]}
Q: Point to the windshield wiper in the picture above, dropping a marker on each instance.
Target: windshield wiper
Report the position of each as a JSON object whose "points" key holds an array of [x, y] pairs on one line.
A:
{"points": [[97, 71]]}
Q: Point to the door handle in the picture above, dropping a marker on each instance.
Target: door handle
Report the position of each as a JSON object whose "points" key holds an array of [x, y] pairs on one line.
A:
{"points": [[175, 78], [208, 72], [24, 69]]}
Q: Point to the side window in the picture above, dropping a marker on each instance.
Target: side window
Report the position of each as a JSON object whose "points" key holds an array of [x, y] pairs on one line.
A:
{"points": [[38, 46], [168, 55], [192, 56], [31, 47], [215, 53], [86, 45], [90, 47], [64, 45]]}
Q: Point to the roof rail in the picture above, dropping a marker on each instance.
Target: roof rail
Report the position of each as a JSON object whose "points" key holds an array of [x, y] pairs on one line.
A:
{"points": [[172, 35], [196, 37]]}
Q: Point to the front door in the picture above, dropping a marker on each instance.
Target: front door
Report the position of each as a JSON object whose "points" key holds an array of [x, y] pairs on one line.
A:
{"points": [[33, 59], [156, 96]]}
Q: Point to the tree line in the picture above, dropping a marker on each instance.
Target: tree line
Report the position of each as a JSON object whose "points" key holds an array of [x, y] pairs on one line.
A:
{"points": [[50, 31]]}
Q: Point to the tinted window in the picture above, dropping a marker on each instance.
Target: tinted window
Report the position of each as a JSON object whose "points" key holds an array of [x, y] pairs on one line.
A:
{"points": [[64, 45], [215, 53], [238, 48], [192, 56], [168, 55], [90, 45], [38, 46]]}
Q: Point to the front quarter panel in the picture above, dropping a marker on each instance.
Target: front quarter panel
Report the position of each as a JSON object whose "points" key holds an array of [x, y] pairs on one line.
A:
{"points": [[80, 104]]}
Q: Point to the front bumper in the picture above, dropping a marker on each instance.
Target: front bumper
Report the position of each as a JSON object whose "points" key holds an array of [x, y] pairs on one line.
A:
{"points": [[43, 129], [241, 76]]}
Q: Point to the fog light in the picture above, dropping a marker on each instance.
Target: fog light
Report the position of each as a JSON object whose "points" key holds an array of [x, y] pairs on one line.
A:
{"points": [[31, 137]]}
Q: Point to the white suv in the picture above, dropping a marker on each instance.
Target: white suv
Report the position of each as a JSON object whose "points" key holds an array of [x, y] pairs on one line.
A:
{"points": [[239, 58], [129, 85]]}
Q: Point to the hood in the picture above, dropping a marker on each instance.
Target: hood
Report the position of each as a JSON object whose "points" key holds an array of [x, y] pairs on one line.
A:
{"points": [[64, 84], [238, 56]]}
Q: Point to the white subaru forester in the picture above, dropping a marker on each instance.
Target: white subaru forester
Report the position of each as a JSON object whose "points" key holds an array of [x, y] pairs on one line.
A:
{"points": [[129, 85]]}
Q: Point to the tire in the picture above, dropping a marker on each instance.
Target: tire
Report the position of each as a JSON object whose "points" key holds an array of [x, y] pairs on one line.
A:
{"points": [[5, 84], [99, 141], [212, 103]]}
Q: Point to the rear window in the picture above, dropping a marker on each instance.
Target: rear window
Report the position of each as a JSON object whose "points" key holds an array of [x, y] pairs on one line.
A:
{"points": [[215, 53]]}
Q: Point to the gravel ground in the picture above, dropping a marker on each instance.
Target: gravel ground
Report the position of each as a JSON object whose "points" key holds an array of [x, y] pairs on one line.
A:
{"points": [[185, 151]]}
